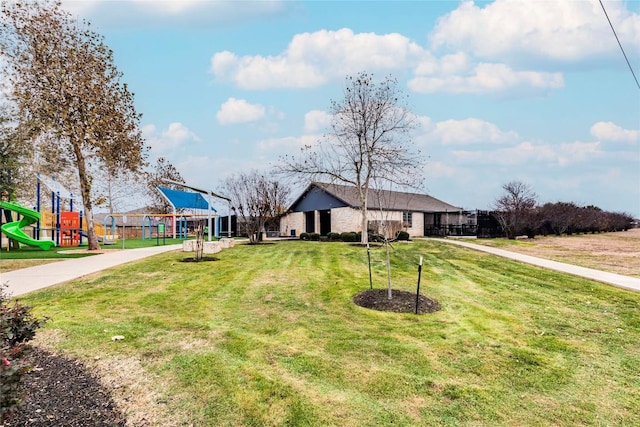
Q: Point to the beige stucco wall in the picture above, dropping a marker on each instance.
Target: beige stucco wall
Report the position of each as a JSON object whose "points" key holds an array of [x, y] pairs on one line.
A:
{"points": [[344, 220], [348, 219], [292, 221], [417, 223]]}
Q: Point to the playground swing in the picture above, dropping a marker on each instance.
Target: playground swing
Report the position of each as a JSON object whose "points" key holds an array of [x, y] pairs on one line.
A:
{"points": [[112, 237]]}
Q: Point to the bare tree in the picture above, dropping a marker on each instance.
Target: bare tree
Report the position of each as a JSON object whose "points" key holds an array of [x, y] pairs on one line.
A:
{"points": [[256, 199], [369, 140], [513, 209], [118, 190], [162, 171], [64, 82]]}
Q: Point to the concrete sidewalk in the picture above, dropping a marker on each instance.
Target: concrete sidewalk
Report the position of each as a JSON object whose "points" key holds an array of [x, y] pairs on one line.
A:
{"points": [[618, 280], [30, 279]]}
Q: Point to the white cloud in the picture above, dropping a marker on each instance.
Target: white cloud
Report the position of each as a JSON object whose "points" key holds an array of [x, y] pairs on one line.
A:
{"points": [[288, 144], [609, 131], [316, 120], [312, 59], [488, 78], [527, 152], [235, 111], [175, 136], [469, 131], [555, 30], [577, 152]]}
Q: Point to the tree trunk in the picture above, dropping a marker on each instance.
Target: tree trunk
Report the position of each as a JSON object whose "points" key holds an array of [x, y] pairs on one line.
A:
{"points": [[364, 236], [13, 244], [364, 239], [85, 190], [389, 293]]}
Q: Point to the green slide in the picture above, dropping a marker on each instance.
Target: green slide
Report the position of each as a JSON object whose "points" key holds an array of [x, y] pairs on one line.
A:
{"points": [[13, 230]]}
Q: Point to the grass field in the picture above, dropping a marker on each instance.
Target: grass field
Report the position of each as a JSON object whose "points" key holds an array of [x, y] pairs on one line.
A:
{"points": [[268, 336]]}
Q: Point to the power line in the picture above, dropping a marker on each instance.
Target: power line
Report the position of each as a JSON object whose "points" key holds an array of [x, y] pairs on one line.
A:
{"points": [[620, 44]]}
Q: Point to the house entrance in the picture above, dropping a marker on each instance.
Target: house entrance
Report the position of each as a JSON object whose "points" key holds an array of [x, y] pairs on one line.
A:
{"points": [[325, 222], [310, 222]]}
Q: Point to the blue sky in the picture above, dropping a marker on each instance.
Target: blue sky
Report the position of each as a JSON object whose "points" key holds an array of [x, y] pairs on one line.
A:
{"points": [[535, 91]]}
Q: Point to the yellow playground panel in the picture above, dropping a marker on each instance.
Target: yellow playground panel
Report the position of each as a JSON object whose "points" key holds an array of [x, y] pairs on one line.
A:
{"points": [[48, 223]]}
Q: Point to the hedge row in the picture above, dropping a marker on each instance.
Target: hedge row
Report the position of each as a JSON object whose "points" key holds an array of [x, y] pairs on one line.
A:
{"points": [[351, 236]]}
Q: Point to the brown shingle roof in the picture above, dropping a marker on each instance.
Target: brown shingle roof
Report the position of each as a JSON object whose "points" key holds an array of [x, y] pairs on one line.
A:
{"points": [[388, 200]]}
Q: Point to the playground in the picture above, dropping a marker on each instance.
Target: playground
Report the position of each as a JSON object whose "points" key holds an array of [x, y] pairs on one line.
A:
{"points": [[57, 229]]}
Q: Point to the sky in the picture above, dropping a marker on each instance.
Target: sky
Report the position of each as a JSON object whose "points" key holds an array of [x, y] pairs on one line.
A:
{"points": [[536, 91]]}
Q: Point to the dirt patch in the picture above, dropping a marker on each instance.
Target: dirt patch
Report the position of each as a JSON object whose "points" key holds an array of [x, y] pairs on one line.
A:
{"points": [[400, 302], [203, 259], [100, 391], [62, 392]]}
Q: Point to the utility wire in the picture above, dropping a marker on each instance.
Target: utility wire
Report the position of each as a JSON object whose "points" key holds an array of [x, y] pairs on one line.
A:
{"points": [[620, 44]]}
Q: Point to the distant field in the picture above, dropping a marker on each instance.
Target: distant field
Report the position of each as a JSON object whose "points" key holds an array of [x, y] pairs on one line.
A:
{"points": [[613, 252]]}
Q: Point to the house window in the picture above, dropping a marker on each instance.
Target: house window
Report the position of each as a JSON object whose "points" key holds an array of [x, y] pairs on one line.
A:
{"points": [[407, 219]]}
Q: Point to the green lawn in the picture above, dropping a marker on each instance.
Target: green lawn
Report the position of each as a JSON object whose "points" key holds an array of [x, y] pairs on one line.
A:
{"points": [[268, 336]]}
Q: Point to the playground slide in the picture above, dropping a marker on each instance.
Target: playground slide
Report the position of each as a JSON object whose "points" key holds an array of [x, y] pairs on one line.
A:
{"points": [[13, 230]]}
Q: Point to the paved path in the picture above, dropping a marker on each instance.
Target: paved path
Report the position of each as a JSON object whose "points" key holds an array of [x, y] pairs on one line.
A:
{"points": [[618, 280], [41, 276]]}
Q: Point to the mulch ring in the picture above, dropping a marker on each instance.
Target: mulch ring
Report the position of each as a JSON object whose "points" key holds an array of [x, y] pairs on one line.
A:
{"points": [[62, 392], [400, 302], [202, 259]]}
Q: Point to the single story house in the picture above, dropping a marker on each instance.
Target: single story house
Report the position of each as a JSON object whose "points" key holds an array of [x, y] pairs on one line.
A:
{"points": [[323, 208]]}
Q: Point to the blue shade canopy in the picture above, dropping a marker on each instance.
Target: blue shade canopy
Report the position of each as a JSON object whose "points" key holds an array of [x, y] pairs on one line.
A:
{"points": [[185, 199]]}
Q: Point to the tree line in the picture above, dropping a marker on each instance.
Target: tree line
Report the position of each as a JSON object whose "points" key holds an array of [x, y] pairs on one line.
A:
{"points": [[518, 212]]}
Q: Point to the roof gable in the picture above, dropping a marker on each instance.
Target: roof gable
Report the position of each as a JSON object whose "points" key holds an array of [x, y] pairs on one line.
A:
{"points": [[316, 198]]}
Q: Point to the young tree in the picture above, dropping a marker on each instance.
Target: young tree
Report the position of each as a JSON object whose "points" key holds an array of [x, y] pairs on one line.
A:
{"points": [[256, 199], [388, 227], [513, 209], [63, 81], [162, 171], [369, 140]]}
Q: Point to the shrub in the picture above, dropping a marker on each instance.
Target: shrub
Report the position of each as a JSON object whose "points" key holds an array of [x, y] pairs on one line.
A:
{"points": [[374, 237], [314, 236], [348, 236], [333, 236], [304, 236], [17, 326], [403, 235]]}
